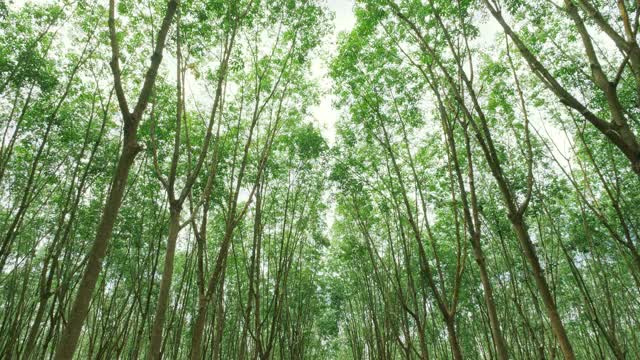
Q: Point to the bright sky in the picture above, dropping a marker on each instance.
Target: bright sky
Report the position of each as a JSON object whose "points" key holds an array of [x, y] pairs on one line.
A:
{"points": [[325, 114]]}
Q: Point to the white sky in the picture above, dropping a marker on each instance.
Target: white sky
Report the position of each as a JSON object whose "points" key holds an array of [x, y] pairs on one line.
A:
{"points": [[325, 114]]}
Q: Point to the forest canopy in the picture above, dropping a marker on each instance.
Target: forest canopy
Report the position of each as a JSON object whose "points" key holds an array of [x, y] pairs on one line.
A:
{"points": [[174, 185]]}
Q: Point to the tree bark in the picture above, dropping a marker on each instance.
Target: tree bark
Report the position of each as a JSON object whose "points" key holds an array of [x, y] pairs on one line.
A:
{"points": [[67, 345], [165, 283], [130, 148]]}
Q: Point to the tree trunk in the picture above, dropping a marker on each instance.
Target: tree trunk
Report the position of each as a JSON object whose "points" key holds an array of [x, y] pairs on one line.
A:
{"points": [[453, 337], [165, 283], [543, 287], [80, 309]]}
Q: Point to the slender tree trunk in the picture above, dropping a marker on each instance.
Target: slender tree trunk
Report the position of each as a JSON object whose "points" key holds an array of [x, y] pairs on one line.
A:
{"points": [[198, 331], [130, 148], [453, 337], [496, 332], [474, 230], [165, 283], [80, 308], [219, 324], [543, 287]]}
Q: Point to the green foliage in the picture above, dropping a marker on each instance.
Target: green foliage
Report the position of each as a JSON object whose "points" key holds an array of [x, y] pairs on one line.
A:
{"points": [[381, 244]]}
